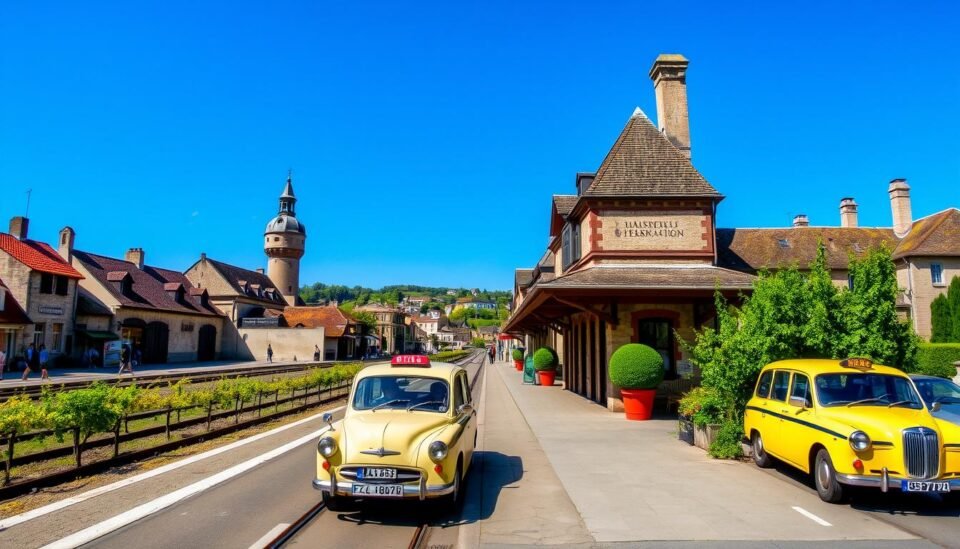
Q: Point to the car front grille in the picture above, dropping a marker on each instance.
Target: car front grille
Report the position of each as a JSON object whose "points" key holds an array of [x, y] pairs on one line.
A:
{"points": [[404, 475], [921, 452]]}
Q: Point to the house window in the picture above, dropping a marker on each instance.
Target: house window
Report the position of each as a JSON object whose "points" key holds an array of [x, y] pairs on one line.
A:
{"points": [[658, 333], [39, 330], [46, 283], [61, 285], [571, 244], [57, 333], [850, 281], [936, 274]]}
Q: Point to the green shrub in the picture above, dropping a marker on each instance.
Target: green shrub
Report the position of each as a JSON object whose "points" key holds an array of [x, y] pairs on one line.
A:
{"points": [[727, 444], [544, 360], [936, 359], [517, 354], [636, 366], [448, 356], [703, 406]]}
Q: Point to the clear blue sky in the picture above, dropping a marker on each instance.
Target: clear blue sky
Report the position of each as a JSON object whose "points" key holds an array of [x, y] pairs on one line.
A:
{"points": [[426, 140]]}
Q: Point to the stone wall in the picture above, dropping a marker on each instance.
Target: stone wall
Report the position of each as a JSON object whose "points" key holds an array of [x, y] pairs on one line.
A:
{"points": [[918, 278], [288, 343], [181, 345]]}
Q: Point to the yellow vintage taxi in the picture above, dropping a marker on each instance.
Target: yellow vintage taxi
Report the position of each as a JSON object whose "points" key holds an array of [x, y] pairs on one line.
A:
{"points": [[851, 423], [409, 431]]}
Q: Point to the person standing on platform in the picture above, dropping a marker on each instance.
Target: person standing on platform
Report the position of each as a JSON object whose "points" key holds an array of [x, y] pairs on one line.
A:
{"points": [[269, 353], [316, 353], [3, 363], [33, 361], [44, 359]]}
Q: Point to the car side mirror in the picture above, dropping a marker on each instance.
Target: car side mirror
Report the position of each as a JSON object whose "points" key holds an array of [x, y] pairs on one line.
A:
{"points": [[799, 402], [465, 409], [935, 407], [328, 419]]}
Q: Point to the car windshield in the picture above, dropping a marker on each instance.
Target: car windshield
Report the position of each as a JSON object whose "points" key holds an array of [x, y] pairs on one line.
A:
{"points": [[418, 394], [938, 390], [866, 389]]}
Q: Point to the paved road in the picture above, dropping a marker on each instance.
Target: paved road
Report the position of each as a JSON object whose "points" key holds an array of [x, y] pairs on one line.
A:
{"points": [[243, 510]]}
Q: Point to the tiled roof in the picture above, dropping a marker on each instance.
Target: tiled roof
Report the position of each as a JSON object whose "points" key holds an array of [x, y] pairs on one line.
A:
{"points": [[39, 256], [147, 288], [643, 163], [332, 319], [89, 305], [12, 312], [377, 308], [934, 235], [755, 249], [489, 330], [235, 275], [564, 203], [646, 276], [524, 277]]}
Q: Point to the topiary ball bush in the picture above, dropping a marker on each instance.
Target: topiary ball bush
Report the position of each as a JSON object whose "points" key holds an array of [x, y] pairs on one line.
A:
{"points": [[544, 360], [636, 366], [517, 354]]}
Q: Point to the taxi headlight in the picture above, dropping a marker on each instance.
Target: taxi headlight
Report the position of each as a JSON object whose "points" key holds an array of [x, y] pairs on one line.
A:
{"points": [[438, 451], [859, 441], [327, 447]]}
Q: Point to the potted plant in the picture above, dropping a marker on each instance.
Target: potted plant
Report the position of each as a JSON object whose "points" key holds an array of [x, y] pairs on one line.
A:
{"points": [[701, 412], [545, 363], [518, 359], [638, 370]]}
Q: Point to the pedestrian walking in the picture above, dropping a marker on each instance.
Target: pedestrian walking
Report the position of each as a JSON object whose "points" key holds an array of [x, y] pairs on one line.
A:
{"points": [[125, 360], [3, 363], [316, 353], [94, 357], [269, 353], [491, 353], [137, 357], [44, 359], [33, 361]]}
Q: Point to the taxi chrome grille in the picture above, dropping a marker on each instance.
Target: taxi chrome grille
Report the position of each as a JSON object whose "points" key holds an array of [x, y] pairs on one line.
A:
{"points": [[921, 452], [404, 475]]}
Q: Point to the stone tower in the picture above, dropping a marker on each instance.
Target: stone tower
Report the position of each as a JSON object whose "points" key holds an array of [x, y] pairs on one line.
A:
{"points": [[283, 242]]}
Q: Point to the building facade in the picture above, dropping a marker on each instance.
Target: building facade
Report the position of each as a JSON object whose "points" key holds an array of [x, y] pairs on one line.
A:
{"points": [[634, 255], [391, 328]]}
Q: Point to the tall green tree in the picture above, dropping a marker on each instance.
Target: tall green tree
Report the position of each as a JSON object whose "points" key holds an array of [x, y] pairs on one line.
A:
{"points": [[941, 320]]}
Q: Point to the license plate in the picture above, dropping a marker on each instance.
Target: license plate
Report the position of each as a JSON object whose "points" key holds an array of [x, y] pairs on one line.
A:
{"points": [[378, 490], [920, 486], [377, 473]]}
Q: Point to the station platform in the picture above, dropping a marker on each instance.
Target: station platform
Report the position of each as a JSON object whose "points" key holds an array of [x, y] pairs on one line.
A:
{"points": [[557, 469]]}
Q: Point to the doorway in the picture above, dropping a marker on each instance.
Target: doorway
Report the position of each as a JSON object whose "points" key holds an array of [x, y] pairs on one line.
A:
{"points": [[155, 338], [658, 334], [207, 346]]}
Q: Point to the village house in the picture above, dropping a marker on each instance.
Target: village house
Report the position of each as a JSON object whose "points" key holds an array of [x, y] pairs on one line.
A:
{"points": [[340, 331]]}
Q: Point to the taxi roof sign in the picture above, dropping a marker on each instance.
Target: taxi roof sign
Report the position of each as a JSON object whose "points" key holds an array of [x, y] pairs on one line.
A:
{"points": [[862, 364], [422, 361]]}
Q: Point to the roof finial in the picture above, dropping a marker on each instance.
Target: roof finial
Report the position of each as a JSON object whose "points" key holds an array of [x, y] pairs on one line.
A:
{"points": [[289, 175]]}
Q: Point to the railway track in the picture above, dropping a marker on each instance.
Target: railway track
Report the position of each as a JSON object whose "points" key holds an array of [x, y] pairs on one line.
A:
{"points": [[421, 532]]}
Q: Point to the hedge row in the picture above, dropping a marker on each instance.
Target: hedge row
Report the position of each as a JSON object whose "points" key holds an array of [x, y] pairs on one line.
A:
{"points": [[449, 356], [936, 359], [103, 408]]}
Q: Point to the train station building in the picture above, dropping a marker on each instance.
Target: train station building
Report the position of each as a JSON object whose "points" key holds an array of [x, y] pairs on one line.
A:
{"points": [[634, 255]]}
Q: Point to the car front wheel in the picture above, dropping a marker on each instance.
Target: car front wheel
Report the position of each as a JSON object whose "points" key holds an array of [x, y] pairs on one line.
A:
{"points": [[332, 502], [825, 478], [760, 455]]}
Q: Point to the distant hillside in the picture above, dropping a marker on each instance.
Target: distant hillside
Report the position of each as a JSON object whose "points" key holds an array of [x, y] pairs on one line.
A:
{"points": [[319, 292]]}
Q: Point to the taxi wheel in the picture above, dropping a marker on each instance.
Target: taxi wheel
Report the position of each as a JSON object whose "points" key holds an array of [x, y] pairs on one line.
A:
{"points": [[825, 478], [760, 455], [331, 502]]}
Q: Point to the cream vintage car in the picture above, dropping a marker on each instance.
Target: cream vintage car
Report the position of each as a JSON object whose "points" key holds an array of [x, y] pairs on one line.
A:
{"points": [[409, 431]]}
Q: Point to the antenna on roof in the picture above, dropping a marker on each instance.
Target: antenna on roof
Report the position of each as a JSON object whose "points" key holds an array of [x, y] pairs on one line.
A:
{"points": [[27, 214]]}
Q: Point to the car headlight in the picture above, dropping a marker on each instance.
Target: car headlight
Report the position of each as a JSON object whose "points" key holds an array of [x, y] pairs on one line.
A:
{"points": [[859, 441], [438, 451], [327, 447]]}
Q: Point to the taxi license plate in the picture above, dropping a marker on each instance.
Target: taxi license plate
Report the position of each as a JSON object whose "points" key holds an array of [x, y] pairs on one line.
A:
{"points": [[378, 490], [378, 473], [920, 486]]}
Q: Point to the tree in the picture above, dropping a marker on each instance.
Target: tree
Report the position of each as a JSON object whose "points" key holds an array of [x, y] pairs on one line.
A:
{"points": [[941, 320], [83, 412], [18, 415], [124, 401]]}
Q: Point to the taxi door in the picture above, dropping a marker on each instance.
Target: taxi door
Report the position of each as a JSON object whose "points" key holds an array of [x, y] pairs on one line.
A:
{"points": [[795, 433], [772, 433], [468, 418]]}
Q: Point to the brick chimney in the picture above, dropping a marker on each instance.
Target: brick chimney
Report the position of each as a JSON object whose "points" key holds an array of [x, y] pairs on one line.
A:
{"points": [[900, 206], [848, 212], [801, 220], [260, 270], [135, 256], [669, 75], [19, 226], [65, 247]]}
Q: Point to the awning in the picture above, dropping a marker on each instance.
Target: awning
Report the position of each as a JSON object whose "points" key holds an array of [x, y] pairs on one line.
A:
{"points": [[98, 334]]}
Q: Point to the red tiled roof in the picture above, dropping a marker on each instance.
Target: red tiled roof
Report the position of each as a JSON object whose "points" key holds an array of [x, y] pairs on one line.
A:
{"points": [[148, 289], [12, 312], [38, 256], [934, 235], [332, 319]]}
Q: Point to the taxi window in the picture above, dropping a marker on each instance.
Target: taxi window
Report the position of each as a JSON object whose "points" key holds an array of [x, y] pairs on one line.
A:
{"points": [[401, 393], [781, 383], [763, 386], [466, 388], [458, 394], [801, 388]]}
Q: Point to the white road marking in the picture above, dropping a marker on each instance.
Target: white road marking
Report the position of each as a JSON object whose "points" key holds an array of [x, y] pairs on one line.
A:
{"points": [[811, 516], [262, 542], [105, 527], [47, 509]]}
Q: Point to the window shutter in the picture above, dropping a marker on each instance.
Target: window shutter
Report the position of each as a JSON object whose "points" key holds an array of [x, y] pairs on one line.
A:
{"points": [[46, 283]]}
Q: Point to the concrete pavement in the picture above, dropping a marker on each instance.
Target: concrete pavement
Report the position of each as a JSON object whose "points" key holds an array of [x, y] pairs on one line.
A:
{"points": [[634, 481]]}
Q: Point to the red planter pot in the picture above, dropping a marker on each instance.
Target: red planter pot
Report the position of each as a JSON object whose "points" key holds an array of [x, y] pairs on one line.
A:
{"points": [[547, 378], [638, 403], [518, 364]]}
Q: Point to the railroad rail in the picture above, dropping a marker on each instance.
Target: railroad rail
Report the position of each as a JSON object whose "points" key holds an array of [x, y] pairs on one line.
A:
{"points": [[420, 533]]}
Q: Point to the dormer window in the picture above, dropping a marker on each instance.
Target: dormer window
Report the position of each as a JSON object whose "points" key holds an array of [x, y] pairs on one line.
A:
{"points": [[122, 281], [570, 244], [783, 243], [174, 290]]}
